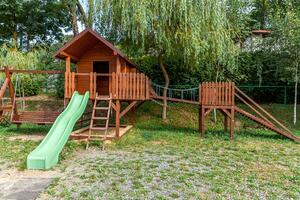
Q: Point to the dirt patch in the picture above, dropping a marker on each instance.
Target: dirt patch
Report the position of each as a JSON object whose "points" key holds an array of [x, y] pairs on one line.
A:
{"points": [[41, 97], [35, 137], [15, 174]]}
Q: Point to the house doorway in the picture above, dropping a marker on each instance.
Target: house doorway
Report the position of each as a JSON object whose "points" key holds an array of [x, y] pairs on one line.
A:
{"points": [[102, 84]]}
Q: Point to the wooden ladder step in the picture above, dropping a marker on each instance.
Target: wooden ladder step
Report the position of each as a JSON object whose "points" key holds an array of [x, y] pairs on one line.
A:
{"points": [[101, 108], [101, 118], [103, 98]]}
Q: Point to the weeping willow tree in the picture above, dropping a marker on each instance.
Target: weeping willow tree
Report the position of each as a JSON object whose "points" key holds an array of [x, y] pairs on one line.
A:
{"points": [[195, 30], [16, 59]]}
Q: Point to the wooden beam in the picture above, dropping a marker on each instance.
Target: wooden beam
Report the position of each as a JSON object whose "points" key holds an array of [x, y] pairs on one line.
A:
{"points": [[68, 64], [29, 71], [76, 59], [11, 90], [118, 108], [225, 112], [114, 106], [174, 99], [118, 65], [208, 111], [128, 108]]}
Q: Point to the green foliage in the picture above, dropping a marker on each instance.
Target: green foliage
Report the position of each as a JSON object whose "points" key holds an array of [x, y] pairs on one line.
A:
{"points": [[197, 32], [40, 59], [60, 86], [17, 59], [32, 22], [32, 84]]}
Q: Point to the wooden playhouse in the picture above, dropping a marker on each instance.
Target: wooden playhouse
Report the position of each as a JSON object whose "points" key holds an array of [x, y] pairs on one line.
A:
{"points": [[106, 73]]}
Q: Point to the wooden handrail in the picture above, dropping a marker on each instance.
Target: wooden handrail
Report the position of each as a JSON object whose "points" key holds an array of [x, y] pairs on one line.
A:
{"points": [[263, 110], [252, 108]]}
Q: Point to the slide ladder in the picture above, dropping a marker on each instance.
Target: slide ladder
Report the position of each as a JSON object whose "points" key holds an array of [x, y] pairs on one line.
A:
{"points": [[100, 113], [262, 117]]}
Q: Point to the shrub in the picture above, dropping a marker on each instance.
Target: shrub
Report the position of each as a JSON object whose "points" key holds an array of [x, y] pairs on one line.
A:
{"points": [[60, 86], [31, 84]]}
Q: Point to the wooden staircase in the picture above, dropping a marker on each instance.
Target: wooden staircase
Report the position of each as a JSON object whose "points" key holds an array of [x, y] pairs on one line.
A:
{"points": [[263, 117], [100, 113]]}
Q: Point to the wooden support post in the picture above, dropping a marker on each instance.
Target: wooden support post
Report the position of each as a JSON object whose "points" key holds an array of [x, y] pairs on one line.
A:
{"points": [[118, 108], [201, 120], [118, 65], [232, 123], [68, 64], [11, 90]]}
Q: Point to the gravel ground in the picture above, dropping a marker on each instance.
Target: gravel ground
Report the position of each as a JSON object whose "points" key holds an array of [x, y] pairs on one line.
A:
{"points": [[96, 174]]}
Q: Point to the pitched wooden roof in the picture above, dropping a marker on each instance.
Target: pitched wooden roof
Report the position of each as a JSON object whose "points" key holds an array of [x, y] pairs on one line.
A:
{"points": [[82, 42]]}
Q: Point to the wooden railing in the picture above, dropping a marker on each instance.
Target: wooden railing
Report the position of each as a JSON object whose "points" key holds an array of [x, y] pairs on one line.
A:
{"points": [[122, 86], [133, 86], [217, 93]]}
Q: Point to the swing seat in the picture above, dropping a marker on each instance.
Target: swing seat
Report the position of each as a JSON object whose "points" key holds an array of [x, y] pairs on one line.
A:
{"points": [[35, 117]]}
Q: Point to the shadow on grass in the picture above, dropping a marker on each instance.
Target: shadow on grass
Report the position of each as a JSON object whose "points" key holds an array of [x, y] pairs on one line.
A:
{"points": [[27, 129], [166, 131]]}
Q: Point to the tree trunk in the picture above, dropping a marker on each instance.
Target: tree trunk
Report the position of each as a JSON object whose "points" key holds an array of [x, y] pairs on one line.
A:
{"points": [[167, 82], [82, 13], [15, 39], [91, 14], [296, 93], [15, 32], [73, 15]]}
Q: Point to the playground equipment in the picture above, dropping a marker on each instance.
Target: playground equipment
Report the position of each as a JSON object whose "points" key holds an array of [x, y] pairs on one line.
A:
{"points": [[108, 76], [46, 154], [20, 116], [222, 96]]}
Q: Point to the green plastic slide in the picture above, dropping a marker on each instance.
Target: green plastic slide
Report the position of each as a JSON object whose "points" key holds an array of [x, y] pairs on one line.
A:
{"points": [[46, 154]]}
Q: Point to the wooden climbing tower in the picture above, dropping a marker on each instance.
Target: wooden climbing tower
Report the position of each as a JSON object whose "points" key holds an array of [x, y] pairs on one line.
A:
{"points": [[218, 96], [222, 96]]}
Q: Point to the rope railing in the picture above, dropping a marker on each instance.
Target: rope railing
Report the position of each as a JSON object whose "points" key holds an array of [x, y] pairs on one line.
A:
{"points": [[176, 93]]}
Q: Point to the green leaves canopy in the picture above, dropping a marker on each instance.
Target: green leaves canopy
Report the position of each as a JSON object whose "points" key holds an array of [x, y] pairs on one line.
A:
{"points": [[195, 30]]}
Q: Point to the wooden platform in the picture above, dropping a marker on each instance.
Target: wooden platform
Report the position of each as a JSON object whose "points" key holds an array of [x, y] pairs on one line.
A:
{"points": [[82, 134]]}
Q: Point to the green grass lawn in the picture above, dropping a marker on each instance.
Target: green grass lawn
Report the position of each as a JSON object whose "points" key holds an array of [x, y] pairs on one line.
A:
{"points": [[168, 160]]}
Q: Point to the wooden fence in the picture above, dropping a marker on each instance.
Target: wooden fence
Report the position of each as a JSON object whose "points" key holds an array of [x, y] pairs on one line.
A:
{"points": [[217, 93], [122, 86]]}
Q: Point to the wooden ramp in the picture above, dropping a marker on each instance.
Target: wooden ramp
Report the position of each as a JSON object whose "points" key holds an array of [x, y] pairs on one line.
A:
{"points": [[262, 117], [271, 127]]}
